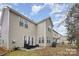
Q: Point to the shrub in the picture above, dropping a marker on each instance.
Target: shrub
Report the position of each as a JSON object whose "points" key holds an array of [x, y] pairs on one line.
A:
{"points": [[54, 44], [62, 42], [37, 45], [16, 48]]}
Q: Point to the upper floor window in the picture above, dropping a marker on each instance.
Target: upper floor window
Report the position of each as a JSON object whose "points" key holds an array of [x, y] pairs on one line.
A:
{"points": [[49, 29], [23, 23], [26, 26]]}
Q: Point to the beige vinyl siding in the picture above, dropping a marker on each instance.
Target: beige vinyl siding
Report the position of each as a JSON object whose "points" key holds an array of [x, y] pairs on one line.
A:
{"points": [[16, 28], [41, 32], [5, 28], [18, 32], [49, 33]]}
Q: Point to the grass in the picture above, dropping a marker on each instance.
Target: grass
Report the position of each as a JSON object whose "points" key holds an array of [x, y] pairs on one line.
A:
{"points": [[21, 53], [48, 51]]}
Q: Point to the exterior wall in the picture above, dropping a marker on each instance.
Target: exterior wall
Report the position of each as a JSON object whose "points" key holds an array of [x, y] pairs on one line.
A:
{"points": [[64, 39], [59, 38], [12, 31], [17, 32], [49, 36], [41, 32], [0, 13], [0, 28], [56, 37], [5, 28]]}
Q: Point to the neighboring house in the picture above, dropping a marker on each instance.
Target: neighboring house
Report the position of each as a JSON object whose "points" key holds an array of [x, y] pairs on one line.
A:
{"points": [[59, 38], [17, 29], [63, 40], [56, 36]]}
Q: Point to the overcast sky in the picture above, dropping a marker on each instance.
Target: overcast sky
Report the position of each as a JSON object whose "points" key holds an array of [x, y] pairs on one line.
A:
{"points": [[38, 12]]}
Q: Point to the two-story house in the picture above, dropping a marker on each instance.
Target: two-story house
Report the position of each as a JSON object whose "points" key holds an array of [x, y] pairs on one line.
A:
{"points": [[16, 29]]}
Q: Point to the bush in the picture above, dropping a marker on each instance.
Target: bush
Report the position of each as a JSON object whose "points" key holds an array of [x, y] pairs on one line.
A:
{"points": [[54, 44], [27, 46], [37, 45], [16, 48], [62, 42]]}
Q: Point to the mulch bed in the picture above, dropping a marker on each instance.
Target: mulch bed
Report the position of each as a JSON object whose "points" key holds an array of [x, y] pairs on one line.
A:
{"points": [[3, 51], [77, 52]]}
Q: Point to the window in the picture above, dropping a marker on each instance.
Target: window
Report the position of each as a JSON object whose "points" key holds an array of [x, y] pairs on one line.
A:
{"points": [[2, 41], [25, 41], [0, 35], [49, 29], [39, 40], [32, 40], [47, 41], [29, 40], [24, 37], [42, 39], [21, 23], [25, 23], [26, 26]]}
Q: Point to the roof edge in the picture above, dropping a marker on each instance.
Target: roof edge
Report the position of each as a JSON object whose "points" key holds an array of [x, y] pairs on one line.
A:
{"points": [[47, 18], [18, 13], [57, 32]]}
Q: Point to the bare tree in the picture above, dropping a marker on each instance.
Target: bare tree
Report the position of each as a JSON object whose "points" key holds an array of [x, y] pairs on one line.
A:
{"points": [[72, 23]]}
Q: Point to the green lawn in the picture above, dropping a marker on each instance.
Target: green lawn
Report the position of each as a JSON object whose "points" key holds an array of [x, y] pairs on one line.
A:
{"points": [[21, 53]]}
